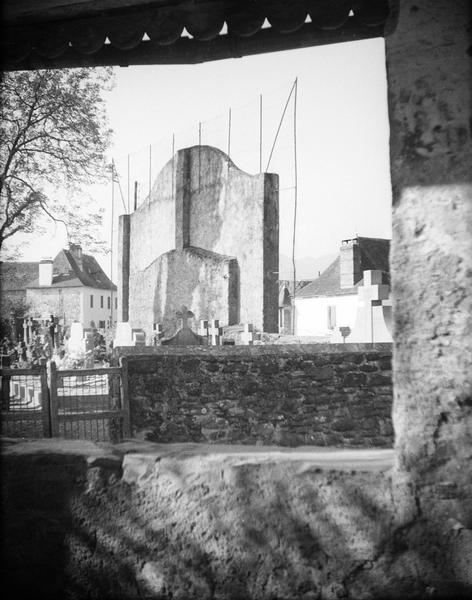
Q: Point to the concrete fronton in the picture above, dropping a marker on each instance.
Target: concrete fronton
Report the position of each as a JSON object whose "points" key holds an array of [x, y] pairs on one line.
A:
{"points": [[207, 238]]}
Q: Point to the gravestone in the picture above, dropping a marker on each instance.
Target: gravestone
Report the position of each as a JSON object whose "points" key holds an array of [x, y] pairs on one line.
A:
{"points": [[88, 346], [215, 332], [75, 344], [247, 336], [184, 336], [374, 313], [138, 337], [158, 334], [203, 330], [124, 335]]}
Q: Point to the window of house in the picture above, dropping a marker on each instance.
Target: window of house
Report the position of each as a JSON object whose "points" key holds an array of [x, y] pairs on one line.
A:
{"points": [[101, 324], [101, 301], [116, 303], [331, 317], [108, 302], [91, 300]]}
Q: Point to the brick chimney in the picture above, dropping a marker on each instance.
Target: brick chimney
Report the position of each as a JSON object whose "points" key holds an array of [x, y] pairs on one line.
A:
{"points": [[45, 272], [76, 251], [350, 263]]}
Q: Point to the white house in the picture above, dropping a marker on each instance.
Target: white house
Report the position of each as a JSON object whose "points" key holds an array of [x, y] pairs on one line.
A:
{"points": [[72, 287], [329, 305]]}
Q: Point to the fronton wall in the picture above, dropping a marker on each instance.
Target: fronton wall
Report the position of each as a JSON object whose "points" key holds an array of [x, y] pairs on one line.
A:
{"points": [[202, 201]]}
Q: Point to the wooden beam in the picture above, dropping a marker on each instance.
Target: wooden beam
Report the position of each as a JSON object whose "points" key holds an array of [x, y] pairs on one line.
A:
{"points": [[190, 51]]}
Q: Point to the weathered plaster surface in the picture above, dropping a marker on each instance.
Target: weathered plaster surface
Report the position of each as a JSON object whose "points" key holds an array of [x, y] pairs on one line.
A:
{"points": [[430, 97], [201, 200], [155, 296], [188, 521]]}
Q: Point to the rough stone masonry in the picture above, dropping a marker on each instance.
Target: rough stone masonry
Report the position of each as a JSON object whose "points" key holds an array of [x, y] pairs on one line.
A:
{"points": [[207, 238], [317, 395]]}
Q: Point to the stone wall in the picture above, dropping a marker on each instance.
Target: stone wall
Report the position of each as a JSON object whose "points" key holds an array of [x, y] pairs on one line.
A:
{"points": [[320, 394], [189, 522]]}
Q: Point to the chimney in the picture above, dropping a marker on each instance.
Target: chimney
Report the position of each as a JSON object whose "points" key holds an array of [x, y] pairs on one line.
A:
{"points": [[45, 272], [76, 251], [350, 263]]}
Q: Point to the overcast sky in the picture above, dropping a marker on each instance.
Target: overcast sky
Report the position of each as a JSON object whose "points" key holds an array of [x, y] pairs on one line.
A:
{"points": [[342, 135]]}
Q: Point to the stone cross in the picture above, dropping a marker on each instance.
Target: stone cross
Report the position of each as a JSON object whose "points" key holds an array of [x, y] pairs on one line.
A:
{"points": [[89, 350], [215, 332], [247, 336], [184, 314], [373, 313], [203, 329], [30, 329], [158, 333]]}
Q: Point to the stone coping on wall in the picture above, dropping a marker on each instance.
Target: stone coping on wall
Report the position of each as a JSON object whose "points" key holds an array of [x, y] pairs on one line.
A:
{"points": [[257, 350], [132, 452]]}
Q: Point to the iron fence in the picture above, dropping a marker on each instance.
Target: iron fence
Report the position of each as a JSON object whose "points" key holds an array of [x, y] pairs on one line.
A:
{"points": [[89, 404], [25, 402]]}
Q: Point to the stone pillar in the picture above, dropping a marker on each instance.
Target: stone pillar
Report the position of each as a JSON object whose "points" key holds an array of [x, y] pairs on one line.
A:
{"points": [[182, 199], [429, 82], [271, 253], [123, 268]]}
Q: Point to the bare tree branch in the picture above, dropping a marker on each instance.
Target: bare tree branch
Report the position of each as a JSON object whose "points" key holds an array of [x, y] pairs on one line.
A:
{"points": [[54, 131]]}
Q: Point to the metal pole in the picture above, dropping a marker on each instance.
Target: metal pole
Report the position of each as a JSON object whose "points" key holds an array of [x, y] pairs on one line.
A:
{"points": [[229, 133], [128, 187], [295, 198], [111, 241], [150, 158], [199, 155], [260, 133], [280, 124], [173, 168]]}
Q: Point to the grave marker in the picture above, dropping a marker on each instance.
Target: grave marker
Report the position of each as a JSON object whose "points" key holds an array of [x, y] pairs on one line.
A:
{"points": [[76, 341], [88, 343], [124, 335], [215, 332], [203, 329], [138, 337], [247, 336]]}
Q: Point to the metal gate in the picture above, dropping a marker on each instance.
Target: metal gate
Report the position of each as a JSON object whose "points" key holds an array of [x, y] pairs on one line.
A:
{"points": [[90, 404], [25, 402]]}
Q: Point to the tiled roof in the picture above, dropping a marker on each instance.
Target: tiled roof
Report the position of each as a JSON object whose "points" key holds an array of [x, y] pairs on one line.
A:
{"points": [[374, 256], [67, 272]]}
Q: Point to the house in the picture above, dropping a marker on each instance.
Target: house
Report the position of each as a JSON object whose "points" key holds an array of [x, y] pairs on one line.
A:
{"points": [[286, 303], [72, 287], [329, 305]]}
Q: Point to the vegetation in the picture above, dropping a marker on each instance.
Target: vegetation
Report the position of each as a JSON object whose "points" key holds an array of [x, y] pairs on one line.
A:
{"points": [[54, 133]]}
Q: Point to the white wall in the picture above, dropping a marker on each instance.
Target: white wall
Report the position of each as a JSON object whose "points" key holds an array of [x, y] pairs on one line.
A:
{"points": [[97, 313], [311, 314]]}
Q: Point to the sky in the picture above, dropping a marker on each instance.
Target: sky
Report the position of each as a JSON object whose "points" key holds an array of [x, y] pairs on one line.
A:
{"points": [[341, 137]]}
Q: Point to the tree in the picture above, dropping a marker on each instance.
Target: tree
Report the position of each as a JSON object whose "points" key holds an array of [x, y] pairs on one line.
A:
{"points": [[54, 133]]}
